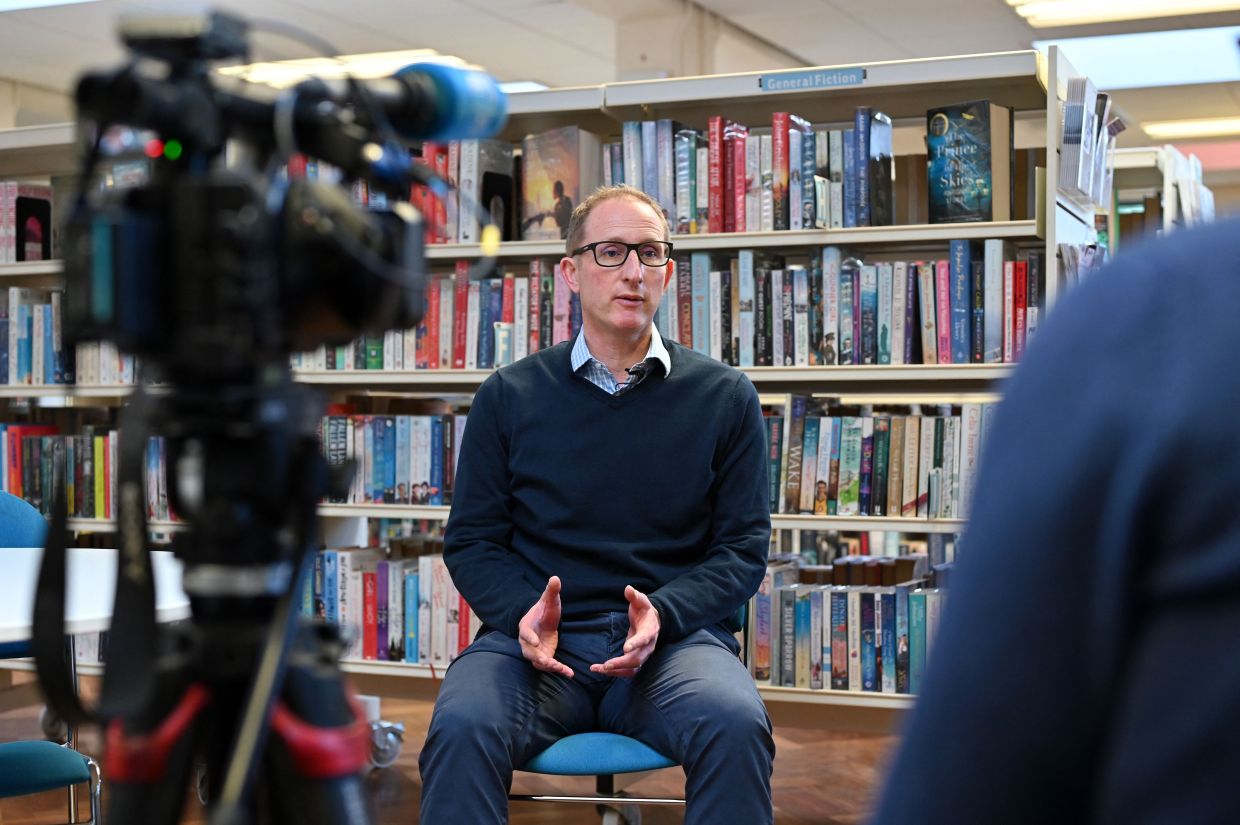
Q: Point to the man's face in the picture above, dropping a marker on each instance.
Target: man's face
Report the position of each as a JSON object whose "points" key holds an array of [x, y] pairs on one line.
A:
{"points": [[618, 300]]}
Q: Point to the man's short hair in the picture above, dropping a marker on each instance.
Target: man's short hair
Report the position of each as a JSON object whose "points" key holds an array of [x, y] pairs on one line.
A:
{"points": [[577, 223]]}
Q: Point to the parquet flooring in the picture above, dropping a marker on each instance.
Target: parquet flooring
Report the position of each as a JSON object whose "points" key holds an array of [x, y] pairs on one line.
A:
{"points": [[821, 778]]}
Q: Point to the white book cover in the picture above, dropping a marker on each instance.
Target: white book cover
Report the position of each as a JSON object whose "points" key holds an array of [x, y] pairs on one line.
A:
{"points": [[467, 220], [389, 351], [766, 162], [970, 438], [885, 304], [837, 205], [796, 217], [753, 185], [899, 305], [472, 312], [912, 449], [419, 458], [800, 314], [441, 591], [702, 188], [1009, 326], [925, 294], [716, 314], [37, 367], [521, 318], [831, 303], [925, 463], [992, 301], [409, 347], [745, 320], [822, 470], [447, 291], [854, 638], [666, 168], [777, 315], [425, 599], [951, 476]]}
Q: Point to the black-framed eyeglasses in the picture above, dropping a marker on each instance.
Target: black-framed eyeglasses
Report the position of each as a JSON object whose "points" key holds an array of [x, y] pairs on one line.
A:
{"points": [[615, 253]]}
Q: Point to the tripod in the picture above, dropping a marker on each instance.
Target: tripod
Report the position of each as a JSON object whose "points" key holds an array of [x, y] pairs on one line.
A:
{"points": [[244, 684]]}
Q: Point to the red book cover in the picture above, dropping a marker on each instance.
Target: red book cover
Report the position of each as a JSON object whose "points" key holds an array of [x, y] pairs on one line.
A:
{"points": [[1020, 297], [739, 136], [535, 308], [435, 155], [370, 615], [460, 309], [714, 174], [434, 295], [943, 309], [779, 170], [462, 634], [508, 310], [15, 435], [296, 166]]}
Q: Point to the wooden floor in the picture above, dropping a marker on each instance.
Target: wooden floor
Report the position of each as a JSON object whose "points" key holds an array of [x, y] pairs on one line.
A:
{"points": [[821, 778]]}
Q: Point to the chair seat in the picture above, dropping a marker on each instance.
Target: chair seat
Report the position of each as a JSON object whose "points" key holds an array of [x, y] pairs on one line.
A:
{"points": [[31, 767], [591, 754]]}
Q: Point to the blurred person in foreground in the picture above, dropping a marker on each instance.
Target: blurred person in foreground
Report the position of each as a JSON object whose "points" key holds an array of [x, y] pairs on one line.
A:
{"points": [[1085, 669]]}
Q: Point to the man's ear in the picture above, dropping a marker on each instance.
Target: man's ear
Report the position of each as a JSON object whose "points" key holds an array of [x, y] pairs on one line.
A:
{"points": [[568, 268]]}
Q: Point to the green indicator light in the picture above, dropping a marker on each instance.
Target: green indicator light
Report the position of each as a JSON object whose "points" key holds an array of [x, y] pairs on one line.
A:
{"points": [[172, 149]]}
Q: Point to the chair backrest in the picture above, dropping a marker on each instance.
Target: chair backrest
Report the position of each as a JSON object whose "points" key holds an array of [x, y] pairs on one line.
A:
{"points": [[21, 525]]}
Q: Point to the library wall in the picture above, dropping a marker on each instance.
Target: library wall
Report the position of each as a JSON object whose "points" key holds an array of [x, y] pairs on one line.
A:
{"points": [[22, 104]]}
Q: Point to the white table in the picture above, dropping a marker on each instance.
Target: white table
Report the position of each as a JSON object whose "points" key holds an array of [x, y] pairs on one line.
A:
{"points": [[90, 583]]}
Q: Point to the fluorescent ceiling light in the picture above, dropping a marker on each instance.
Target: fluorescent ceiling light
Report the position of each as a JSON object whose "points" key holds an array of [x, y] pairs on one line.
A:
{"points": [[521, 86], [285, 73], [1044, 13], [1144, 59], [1178, 129], [19, 5]]}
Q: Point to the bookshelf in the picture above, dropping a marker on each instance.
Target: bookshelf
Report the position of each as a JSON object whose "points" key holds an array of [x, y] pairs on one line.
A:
{"points": [[1163, 180], [1033, 84]]}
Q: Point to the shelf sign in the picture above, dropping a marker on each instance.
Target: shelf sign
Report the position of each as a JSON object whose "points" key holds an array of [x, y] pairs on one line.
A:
{"points": [[812, 79]]}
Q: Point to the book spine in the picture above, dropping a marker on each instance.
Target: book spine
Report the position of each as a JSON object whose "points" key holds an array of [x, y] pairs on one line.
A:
{"points": [[943, 307], [961, 272], [861, 125], [715, 208], [779, 171]]}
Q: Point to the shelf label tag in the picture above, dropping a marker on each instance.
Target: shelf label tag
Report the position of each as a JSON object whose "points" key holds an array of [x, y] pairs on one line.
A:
{"points": [[812, 79]]}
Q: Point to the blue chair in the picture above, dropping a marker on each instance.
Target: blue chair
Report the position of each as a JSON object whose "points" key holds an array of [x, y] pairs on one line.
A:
{"points": [[604, 756], [37, 766]]}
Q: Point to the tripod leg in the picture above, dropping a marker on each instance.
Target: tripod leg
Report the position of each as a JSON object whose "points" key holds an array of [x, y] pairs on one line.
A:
{"points": [[320, 742], [149, 758]]}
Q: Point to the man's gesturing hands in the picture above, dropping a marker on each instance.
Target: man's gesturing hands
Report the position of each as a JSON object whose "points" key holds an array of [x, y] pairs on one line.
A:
{"points": [[539, 634], [539, 631], [643, 633]]}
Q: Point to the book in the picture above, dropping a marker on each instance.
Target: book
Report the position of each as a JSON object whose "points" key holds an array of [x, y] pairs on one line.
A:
{"points": [[559, 168], [969, 162]]}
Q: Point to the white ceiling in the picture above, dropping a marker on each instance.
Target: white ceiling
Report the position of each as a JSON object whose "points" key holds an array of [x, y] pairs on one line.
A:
{"points": [[573, 42]]}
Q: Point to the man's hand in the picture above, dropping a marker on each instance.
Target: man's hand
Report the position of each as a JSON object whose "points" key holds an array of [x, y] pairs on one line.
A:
{"points": [[539, 631], [643, 634]]}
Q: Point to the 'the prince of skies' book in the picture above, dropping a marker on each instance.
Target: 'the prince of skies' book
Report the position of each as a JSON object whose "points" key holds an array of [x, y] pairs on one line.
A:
{"points": [[561, 167], [969, 164]]}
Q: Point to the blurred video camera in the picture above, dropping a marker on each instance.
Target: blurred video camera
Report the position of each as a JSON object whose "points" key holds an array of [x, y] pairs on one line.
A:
{"points": [[221, 264]]}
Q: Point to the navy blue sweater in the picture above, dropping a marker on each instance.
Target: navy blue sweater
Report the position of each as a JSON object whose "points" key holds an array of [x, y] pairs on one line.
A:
{"points": [[1086, 668], [662, 487]]}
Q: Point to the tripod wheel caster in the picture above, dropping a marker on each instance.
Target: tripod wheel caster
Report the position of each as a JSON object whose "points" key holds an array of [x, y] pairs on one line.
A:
{"points": [[386, 740], [54, 728], [622, 814]]}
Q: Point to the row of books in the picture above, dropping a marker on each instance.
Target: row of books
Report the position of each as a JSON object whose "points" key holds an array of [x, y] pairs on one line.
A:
{"points": [[853, 636], [980, 305], [874, 464], [36, 462], [399, 459], [402, 607], [31, 345], [468, 324]]}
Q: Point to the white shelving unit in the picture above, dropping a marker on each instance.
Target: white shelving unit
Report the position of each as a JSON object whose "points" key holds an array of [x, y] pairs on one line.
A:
{"points": [[1035, 86]]}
